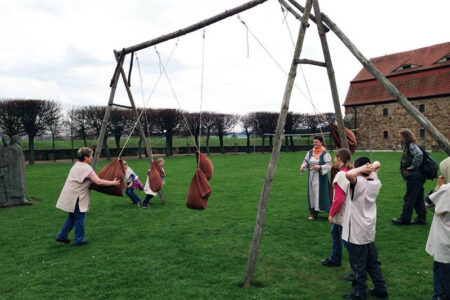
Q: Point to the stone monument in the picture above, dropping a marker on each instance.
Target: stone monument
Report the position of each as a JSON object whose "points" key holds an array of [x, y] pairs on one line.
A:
{"points": [[12, 173]]}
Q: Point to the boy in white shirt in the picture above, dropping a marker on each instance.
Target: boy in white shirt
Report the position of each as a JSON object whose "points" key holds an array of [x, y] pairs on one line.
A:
{"points": [[359, 229]]}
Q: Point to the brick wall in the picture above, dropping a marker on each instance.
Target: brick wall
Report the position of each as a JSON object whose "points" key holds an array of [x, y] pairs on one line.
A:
{"points": [[386, 119]]}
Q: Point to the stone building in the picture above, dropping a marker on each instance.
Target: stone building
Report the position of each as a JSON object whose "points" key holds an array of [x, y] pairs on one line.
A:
{"points": [[423, 76]]}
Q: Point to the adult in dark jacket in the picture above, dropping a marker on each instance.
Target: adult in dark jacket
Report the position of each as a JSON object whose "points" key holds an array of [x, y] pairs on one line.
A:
{"points": [[409, 167]]}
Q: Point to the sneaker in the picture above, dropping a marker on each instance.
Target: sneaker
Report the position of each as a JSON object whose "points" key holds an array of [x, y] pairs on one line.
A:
{"points": [[145, 205], [328, 263], [66, 241], [81, 243], [400, 221], [418, 221], [378, 294], [353, 296]]}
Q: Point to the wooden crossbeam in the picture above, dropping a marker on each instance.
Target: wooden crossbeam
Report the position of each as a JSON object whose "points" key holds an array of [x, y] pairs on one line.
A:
{"points": [[310, 62]]}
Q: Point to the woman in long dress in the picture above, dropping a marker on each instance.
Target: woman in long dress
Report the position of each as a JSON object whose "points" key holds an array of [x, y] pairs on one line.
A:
{"points": [[318, 163]]}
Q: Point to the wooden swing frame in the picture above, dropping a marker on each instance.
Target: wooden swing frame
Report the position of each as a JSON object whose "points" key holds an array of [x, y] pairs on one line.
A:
{"points": [[324, 24]]}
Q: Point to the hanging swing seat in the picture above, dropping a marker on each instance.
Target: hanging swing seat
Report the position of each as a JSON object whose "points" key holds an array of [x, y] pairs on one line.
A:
{"points": [[350, 137], [155, 177], [199, 189], [111, 171]]}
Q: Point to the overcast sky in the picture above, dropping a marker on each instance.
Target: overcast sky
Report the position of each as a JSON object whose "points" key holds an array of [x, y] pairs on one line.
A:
{"points": [[62, 50]]}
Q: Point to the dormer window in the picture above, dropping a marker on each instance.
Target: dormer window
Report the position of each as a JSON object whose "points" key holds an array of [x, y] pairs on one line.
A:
{"points": [[444, 59], [406, 67]]}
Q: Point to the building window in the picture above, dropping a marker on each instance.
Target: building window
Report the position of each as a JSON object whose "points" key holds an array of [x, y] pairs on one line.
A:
{"points": [[422, 133], [422, 108], [406, 67], [385, 134], [385, 112], [444, 59]]}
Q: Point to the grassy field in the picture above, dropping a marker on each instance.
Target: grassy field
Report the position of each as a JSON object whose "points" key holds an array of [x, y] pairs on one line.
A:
{"points": [[160, 142], [171, 252]]}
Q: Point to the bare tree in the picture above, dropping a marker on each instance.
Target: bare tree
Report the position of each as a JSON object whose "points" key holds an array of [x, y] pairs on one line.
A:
{"points": [[118, 121], [35, 117], [207, 126], [53, 125], [10, 114], [266, 122], [193, 122], [95, 116], [249, 124], [168, 122], [79, 119], [293, 122], [223, 123]]}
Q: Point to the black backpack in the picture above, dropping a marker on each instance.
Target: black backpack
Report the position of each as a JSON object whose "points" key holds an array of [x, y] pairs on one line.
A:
{"points": [[429, 167]]}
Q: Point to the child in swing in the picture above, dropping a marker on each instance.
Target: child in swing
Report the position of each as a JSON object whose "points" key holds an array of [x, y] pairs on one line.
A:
{"points": [[133, 183], [149, 194]]}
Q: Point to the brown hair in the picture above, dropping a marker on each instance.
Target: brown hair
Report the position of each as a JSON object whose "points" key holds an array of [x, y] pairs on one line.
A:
{"points": [[407, 136], [345, 156], [83, 152]]}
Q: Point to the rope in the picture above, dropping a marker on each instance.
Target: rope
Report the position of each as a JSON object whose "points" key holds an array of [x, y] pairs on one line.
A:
{"points": [[148, 99], [178, 102], [201, 97], [143, 102]]}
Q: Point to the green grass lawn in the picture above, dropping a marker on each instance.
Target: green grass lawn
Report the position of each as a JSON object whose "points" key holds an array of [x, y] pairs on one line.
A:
{"points": [[171, 252]]}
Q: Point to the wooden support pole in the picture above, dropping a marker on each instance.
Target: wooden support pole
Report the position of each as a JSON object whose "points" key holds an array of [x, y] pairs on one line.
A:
{"points": [[331, 77], [112, 93], [260, 218], [194, 27], [421, 119], [311, 16], [310, 62], [291, 10], [136, 115]]}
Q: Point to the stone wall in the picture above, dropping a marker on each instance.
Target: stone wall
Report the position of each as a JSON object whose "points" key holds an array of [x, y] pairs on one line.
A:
{"points": [[386, 119]]}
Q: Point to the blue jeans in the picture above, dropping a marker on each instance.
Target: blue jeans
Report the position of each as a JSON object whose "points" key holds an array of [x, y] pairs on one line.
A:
{"points": [[363, 260], [74, 219], [441, 275], [336, 248], [130, 193]]}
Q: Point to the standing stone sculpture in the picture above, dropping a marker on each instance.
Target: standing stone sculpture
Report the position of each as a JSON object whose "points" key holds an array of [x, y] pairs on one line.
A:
{"points": [[12, 167], [4, 159]]}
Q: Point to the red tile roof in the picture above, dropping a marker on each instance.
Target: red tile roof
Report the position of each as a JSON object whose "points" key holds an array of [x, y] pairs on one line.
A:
{"points": [[428, 79]]}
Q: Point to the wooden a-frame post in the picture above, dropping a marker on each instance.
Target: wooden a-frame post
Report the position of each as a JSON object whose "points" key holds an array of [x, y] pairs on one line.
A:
{"points": [[260, 218], [331, 77], [399, 97], [119, 70]]}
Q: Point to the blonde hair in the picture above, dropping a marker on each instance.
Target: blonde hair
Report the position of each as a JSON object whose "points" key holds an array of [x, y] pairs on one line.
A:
{"points": [[83, 152], [160, 160], [345, 156], [124, 163]]}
